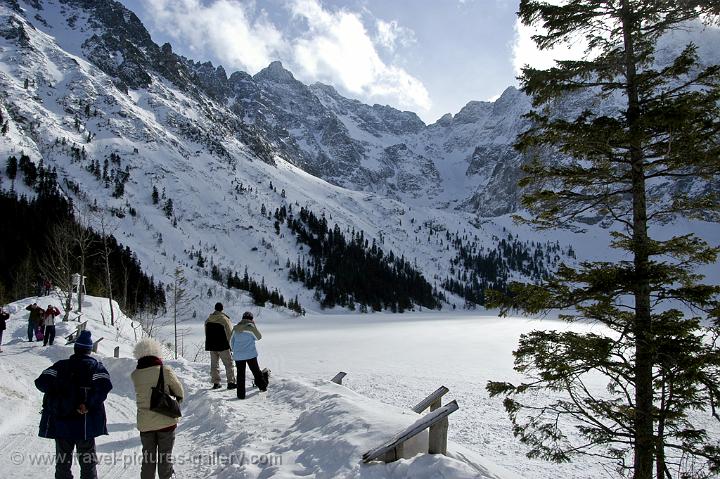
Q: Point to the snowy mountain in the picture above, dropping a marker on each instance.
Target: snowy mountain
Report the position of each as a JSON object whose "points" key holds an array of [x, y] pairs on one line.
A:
{"points": [[459, 161], [86, 91]]}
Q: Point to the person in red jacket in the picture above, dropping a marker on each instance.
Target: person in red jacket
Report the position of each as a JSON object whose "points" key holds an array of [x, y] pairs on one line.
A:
{"points": [[49, 322]]}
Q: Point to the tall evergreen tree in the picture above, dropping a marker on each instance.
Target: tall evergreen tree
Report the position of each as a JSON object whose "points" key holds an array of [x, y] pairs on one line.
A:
{"points": [[651, 125], [11, 168]]}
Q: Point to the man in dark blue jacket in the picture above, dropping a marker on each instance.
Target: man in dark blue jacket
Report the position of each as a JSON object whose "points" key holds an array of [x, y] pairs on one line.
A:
{"points": [[73, 412]]}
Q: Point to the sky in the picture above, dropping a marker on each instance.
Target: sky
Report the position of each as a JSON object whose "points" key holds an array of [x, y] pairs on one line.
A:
{"points": [[427, 56]]}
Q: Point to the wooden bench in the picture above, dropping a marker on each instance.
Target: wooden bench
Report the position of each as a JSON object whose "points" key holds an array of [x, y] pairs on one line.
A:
{"points": [[72, 337], [436, 421], [95, 345], [338, 377], [433, 401]]}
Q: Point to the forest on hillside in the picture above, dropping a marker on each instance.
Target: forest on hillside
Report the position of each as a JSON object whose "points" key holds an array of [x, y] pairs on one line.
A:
{"points": [[42, 239]]}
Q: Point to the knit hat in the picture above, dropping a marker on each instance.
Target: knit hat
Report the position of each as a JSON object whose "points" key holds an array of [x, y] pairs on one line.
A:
{"points": [[247, 315], [84, 341], [218, 307]]}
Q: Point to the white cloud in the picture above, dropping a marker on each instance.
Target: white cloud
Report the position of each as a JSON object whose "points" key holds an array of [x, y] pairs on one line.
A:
{"points": [[330, 46], [391, 33], [338, 49], [232, 32]]}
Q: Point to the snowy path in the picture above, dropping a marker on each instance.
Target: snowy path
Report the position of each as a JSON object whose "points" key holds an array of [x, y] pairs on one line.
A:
{"points": [[300, 428]]}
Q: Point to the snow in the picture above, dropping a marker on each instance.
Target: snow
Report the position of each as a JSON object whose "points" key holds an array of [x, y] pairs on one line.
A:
{"points": [[304, 426], [314, 427], [320, 429]]}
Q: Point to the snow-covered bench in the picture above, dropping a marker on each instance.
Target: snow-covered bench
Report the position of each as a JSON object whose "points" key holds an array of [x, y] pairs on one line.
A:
{"points": [[95, 345], [436, 420]]}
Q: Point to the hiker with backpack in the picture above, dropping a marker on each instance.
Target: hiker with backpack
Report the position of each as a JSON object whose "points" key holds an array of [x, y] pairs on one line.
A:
{"points": [[243, 338], [73, 411], [217, 341], [157, 429], [48, 320]]}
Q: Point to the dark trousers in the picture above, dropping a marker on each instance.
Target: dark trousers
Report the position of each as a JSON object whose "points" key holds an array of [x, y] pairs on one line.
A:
{"points": [[85, 454], [49, 335], [157, 449], [257, 375], [31, 330]]}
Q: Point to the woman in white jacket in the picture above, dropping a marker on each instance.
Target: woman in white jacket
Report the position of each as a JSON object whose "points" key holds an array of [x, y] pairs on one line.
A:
{"points": [[157, 432]]}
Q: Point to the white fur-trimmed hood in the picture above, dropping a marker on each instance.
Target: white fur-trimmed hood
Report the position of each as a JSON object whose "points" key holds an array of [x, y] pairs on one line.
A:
{"points": [[148, 347]]}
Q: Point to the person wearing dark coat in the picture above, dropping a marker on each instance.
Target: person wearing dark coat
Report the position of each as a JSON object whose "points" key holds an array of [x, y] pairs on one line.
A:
{"points": [[218, 330], [73, 408], [4, 316], [34, 320]]}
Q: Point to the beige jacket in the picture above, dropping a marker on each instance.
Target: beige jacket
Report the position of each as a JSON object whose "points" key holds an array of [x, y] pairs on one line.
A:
{"points": [[144, 380]]}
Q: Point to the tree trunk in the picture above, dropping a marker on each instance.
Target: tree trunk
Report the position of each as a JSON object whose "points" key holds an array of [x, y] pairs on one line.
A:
{"points": [[108, 279], [175, 301], [80, 284], [644, 436]]}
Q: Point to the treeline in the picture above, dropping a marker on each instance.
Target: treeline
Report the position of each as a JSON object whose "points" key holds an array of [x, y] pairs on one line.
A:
{"points": [[351, 271], [27, 237], [259, 292], [477, 269]]}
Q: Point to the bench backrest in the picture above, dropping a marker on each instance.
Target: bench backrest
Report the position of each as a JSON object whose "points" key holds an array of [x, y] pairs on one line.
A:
{"points": [[414, 429]]}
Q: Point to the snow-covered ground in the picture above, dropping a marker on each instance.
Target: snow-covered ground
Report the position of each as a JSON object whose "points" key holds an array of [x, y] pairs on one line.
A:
{"points": [[304, 426]]}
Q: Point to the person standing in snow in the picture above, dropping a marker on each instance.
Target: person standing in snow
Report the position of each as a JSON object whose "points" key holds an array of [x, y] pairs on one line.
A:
{"points": [[48, 320], [73, 411], [34, 319], [4, 316], [217, 341], [157, 432], [242, 341]]}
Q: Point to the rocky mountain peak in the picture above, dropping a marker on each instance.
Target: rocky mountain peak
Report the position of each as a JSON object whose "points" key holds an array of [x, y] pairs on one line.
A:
{"points": [[473, 112], [445, 120], [276, 73]]}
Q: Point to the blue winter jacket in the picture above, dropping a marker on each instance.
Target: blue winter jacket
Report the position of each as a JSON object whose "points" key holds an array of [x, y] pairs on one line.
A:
{"points": [[242, 340], [80, 379]]}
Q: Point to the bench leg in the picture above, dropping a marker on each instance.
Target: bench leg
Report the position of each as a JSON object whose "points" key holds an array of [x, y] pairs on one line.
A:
{"points": [[438, 438], [394, 454]]}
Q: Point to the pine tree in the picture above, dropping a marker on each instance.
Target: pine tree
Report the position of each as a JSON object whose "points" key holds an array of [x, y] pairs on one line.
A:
{"points": [[650, 125], [11, 170], [155, 195], [168, 208]]}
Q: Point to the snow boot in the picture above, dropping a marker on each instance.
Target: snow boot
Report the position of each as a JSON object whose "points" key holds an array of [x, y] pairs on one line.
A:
{"points": [[216, 386], [232, 386]]}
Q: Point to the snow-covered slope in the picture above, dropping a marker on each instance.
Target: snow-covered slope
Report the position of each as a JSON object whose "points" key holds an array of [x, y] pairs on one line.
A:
{"points": [[83, 87], [303, 427], [65, 107]]}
